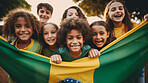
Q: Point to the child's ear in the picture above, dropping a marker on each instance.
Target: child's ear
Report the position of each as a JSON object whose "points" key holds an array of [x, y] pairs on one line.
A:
{"points": [[108, 33], [83, 40]]}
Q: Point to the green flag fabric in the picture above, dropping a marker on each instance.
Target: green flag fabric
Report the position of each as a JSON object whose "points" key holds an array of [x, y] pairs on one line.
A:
{"points": [[120, 62]]}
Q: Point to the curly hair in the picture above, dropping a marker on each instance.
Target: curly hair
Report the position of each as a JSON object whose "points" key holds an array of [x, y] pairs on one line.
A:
{"points": [[126, 20], [41, 38], [80, 13], [72, 23], [11, 18], [46, 5]]}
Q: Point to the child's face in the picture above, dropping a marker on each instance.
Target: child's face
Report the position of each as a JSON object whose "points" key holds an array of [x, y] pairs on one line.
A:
{"points": [[74, 41], [72, 13], [116, 12], [23, 29], [100, 35], [50, 34], [44, 14]]}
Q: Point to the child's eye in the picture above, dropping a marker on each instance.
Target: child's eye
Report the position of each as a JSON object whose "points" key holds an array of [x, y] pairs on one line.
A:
{"points": [[94, 34], [47, 12], [69, 38], [101, 33], [113, 9], [42, 11], [121, 8], [79, 37], [77, 14], [17, 26], [27, 26], [45, 33], [53, 32], [70, 15]]}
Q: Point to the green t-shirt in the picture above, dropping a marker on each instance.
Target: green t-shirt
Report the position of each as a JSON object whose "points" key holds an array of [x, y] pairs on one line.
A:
{"points": [[46, 51], [64, 52], [33, 47]]}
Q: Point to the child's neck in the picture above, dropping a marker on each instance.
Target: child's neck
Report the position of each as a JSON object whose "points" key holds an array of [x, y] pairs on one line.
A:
{"points": [[75, 54], [54, 47], [117, 24], [23, 44]]}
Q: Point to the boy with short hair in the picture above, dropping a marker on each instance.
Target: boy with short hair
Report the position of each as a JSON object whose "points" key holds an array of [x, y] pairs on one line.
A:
{"points": [[44, 11]]}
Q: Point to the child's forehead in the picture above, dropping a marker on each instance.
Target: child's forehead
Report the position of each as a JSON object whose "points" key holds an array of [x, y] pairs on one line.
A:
{"points": [[116, 4], [21, 18], [49, 26], [44, 7], [74, 31]]}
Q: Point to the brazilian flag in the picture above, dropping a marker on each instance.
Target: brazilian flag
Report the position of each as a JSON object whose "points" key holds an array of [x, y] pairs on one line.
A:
{"points": [[120, 62]]}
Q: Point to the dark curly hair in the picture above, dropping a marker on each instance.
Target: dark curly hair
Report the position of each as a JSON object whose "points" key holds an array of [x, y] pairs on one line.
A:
{"points": [[72, 23], [11, 18], [80, 13], [46, 5]]}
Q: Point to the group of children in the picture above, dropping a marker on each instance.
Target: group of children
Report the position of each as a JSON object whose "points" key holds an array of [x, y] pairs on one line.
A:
{"points": [[74, 39]]}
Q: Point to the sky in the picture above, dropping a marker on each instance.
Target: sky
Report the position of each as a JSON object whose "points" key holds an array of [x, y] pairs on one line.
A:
{"points": [[59, 6]]}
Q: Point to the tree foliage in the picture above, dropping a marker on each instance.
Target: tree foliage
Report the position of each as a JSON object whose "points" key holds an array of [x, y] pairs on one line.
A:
{"points": [[7, 5], [138, 8]]}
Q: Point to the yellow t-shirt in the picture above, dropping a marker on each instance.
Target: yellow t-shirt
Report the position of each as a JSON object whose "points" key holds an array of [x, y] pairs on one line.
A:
{"points": [[118, 32]]}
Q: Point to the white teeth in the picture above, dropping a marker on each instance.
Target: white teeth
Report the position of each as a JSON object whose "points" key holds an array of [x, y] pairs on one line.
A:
{"points": [[44, 17], [98, 42], [24, 34], [75, 46], [118, 15], [51, 40]]}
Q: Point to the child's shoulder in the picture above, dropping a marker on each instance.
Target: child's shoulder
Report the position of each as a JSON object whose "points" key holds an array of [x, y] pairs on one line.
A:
{"points": [[86, 46], [134, 24], [35, 46]]}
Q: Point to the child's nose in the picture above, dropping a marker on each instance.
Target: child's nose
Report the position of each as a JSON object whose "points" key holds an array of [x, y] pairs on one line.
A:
{"points": [[23, 28], [74, 16], [98, 36], [74, 40], [49, 35], [44, 13]]}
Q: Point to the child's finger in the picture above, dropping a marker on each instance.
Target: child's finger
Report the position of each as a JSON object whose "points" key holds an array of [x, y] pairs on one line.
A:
{"points": [[90, 54], [53, 59], [93, 54], [96, 54], [58, 59]]}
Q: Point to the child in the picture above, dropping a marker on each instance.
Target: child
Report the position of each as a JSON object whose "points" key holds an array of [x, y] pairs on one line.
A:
{"points": [[44, 11], [73, 12], [72, 35], [24, 26], [117, 16], [48, 38], [101, 35]]}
